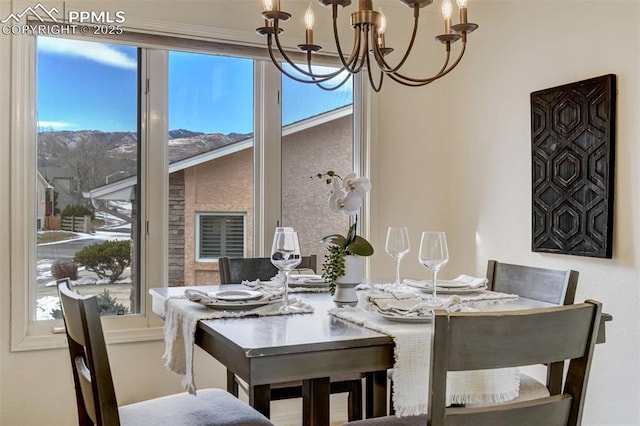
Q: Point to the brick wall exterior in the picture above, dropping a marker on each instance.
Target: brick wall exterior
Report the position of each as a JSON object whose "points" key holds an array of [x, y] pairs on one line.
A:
{"points": [[176, 229], [226, 185]]}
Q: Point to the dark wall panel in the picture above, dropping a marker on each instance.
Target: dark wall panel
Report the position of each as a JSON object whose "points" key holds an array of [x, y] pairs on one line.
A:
{"points": [[573, 147]]}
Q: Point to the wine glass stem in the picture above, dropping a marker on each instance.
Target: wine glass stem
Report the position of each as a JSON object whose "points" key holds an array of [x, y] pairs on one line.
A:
{"points": [[286, 287], [398, 272], [435, 273]]}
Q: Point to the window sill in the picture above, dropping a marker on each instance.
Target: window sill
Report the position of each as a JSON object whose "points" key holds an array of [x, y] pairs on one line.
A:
{"points": [[59, 340]]}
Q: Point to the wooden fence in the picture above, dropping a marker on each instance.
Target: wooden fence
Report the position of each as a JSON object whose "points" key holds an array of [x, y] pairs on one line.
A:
{"points": [[76, 224]]}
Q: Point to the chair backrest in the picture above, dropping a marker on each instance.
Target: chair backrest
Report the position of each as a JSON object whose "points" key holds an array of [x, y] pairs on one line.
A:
{"points": [[486, 340], [547, 285], [95, 394], [235, 270]]}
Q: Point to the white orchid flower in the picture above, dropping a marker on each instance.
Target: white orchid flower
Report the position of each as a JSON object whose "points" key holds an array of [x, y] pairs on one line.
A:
{"points": [[359, 185], [352, 203], [336, 200]]}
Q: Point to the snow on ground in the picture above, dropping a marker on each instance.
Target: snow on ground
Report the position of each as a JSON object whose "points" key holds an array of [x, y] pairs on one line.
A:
{"points": [[45, 304]]}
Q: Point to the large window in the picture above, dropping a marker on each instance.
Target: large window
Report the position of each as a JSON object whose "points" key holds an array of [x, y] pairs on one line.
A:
{"points": [[169, 157]]}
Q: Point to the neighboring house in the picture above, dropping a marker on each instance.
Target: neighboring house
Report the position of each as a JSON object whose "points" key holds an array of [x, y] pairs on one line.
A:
{"points": [[66, 187], [211, 196], [45, 201]]}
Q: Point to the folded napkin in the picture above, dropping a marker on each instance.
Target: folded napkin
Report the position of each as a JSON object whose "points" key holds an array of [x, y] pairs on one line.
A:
{"points": [[465, 282], [210, 299], [301, 271], [411, 305], [299, 280], [306, 278], [181, 319]]}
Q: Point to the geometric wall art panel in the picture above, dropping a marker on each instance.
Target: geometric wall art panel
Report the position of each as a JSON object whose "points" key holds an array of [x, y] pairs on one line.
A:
{"points": [[572, 163]]}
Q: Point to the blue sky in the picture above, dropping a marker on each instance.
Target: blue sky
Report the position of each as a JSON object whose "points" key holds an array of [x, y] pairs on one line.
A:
{"points": [[93, 86]]}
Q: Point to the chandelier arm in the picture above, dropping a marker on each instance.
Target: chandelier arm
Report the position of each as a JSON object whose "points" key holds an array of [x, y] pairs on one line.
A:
{"points": [[291, 76], [364, 52], [353, 57], [376, 88], [319, 84], [378, 53], [337, 86], [408, 81], [290, 62]]}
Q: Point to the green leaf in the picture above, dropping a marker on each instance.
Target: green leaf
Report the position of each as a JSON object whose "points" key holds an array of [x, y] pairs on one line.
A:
{"points": [[360, 246], [351, 235]]}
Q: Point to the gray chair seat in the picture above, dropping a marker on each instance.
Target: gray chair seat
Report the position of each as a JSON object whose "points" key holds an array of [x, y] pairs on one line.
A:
{"points": [[210, 407]]}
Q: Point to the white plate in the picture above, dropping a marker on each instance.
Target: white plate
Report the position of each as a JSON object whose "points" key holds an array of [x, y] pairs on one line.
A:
{"points": [[400, 318], [236, 295], [451, 284], [241, 305], [445, 290]]}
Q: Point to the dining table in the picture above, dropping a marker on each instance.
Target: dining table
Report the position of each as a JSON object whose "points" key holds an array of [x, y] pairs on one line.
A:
{"points": [[307, 347]]}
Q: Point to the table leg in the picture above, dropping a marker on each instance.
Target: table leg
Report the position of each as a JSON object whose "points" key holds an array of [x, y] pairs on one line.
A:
{"points": [[260, 399], [376, 399], [315, 402]]}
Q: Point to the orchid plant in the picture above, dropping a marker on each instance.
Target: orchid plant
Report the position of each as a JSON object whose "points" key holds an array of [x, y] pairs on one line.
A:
{"points": [[346, 195]]}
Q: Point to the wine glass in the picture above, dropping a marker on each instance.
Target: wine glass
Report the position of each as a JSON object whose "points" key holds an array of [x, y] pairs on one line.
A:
{"points": [[285, 255], [434, 254], [397, 246]]}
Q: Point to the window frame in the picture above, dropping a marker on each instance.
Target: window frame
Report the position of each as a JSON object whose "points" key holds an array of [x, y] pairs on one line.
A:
{"points": [[28, 334], [200, 215]]}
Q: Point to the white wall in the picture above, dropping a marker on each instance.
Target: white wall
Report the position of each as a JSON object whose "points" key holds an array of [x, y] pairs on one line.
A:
{"points": [[454, 155], [521, 47]]}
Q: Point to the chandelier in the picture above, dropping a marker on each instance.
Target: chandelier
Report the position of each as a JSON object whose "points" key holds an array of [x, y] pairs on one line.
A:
{"points": [[368, 43]]}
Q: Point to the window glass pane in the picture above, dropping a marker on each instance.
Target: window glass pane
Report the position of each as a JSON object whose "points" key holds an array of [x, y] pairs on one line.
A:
{"points": [[317, 136], [87, 168], [211, 159]]}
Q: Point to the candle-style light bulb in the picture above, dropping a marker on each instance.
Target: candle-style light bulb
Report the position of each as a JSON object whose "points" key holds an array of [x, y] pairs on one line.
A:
{"points": [[267, 5], [447, 9], [462, 6], [383, 22], [309, 18]]}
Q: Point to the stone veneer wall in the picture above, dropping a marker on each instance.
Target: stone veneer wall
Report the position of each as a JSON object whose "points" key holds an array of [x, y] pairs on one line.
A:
{"points": [[176, 228]]}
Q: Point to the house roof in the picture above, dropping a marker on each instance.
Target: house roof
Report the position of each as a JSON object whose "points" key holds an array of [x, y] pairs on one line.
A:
{"points": [[124, 189]]}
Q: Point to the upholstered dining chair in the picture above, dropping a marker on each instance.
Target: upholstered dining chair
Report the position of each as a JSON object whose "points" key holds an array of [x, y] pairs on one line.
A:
{"points": [[556, 286], [236, 270], [95, 395], [487, 340]]}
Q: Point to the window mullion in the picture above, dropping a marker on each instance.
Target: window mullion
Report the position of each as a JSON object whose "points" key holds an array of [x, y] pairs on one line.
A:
{"points": [[267, 155], [155, 182]]}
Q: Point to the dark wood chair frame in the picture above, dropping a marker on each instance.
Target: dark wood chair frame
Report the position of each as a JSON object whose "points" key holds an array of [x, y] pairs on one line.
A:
{"points": [[547, 285], [234, 271], [93, 383], [472, 341]]}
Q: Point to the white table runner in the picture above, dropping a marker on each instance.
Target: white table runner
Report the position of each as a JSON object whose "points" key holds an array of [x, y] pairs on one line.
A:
{"points": [[181, 320], [412, 362]]}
